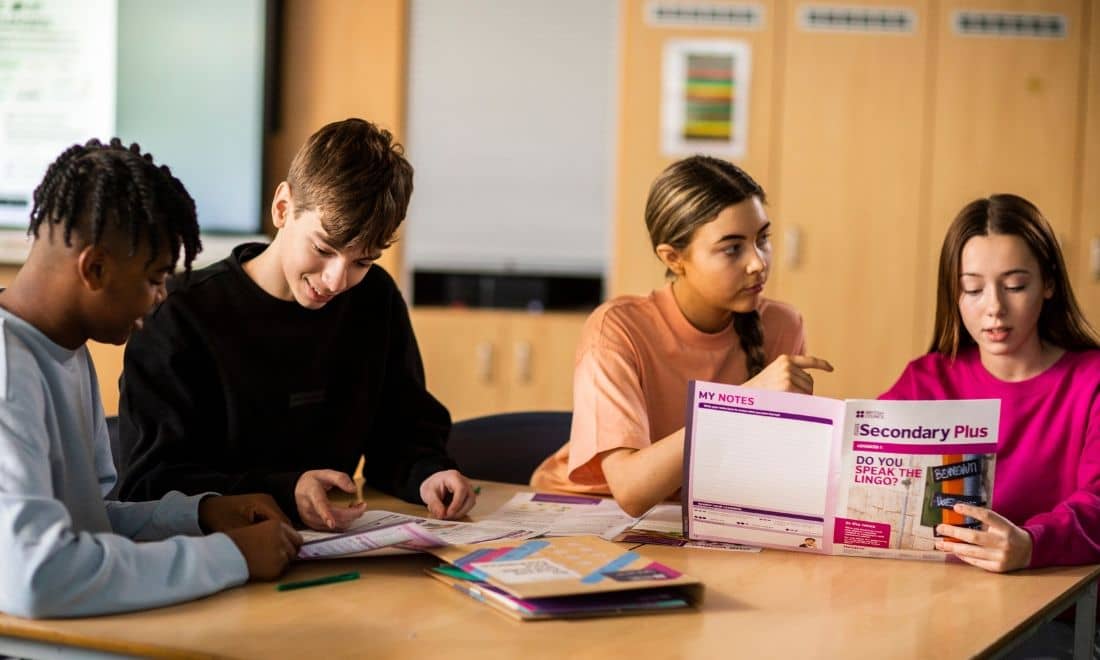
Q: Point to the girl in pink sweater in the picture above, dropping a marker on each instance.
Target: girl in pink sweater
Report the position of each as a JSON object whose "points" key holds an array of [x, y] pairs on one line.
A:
{"points": [[1008, 327]]}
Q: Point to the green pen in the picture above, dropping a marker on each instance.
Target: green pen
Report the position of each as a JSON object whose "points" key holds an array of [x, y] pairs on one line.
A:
{"points": [[328, 579]]}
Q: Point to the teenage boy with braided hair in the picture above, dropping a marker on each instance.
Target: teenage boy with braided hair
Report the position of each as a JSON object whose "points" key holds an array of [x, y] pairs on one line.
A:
{"points": [[107, 225], [275, 369]]}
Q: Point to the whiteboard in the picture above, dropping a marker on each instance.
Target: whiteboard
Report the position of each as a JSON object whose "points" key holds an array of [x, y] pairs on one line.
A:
{"points": [[511, 130], [183, 78]]}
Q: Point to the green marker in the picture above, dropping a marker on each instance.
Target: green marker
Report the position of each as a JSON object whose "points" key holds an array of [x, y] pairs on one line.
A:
{"points": [[328, 579], [477, 490]]}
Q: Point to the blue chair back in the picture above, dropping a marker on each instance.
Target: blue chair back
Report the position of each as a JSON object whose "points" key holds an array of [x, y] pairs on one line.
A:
{"points": [[509, 446]]}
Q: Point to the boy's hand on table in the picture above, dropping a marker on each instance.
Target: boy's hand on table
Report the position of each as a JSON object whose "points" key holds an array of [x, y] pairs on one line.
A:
{"points": [[268, 547], [448, 494], [221, 513], [999, 546], [311, 497]]}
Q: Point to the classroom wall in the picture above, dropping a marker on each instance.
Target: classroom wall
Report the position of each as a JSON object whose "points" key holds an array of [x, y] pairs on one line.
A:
{"points": [[867, 145], [1086, 263], [340, 59]]}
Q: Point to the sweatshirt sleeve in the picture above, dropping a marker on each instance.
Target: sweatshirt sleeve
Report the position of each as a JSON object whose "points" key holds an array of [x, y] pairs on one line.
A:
{"points": [[173, 514], [1070, 533], [50, 569], [407, 442], [172, 417], [141, 521]]}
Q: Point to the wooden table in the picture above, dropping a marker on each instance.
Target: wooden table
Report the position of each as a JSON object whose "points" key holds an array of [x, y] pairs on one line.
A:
{"points": [[773, 603]]}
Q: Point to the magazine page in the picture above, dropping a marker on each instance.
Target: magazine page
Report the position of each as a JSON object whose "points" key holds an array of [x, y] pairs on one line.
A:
{"points": [[380, 533], [664, 525], [904, 464], [756, 466], [560, 514], [407, 535]]}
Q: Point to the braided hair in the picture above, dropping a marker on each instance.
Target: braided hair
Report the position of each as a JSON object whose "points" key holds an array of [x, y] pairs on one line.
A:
{"points": [[93, 187], [689, 194]]}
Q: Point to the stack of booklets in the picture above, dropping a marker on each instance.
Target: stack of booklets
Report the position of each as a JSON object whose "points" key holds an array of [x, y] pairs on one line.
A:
{"points": [[564, 577]]}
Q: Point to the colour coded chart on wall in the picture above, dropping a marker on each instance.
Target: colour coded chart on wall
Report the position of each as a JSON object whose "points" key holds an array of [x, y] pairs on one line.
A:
{"points": [[705, 97], [709, 97]]}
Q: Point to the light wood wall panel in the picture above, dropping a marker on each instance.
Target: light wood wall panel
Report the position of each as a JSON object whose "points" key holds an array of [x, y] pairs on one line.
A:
{"points": [[1007, 119], [633, 267], [851, 139], [543, 349], [1086, 269], [340, 59], [463, 358], [486, 361]]}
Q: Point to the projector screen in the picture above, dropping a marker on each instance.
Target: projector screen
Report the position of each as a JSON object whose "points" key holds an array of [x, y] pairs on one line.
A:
{"points": [[183, 78]]}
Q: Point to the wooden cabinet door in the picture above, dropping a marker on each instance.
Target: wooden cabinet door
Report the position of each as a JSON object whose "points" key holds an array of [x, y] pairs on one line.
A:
{"points": [[482, 362], [540, 357], [462, 358], [1007, 115], [846, 207], [1086, 266]]}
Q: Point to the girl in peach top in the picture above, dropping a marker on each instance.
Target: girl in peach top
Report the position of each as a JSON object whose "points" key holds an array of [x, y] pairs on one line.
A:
{"points": [[708, 225]]}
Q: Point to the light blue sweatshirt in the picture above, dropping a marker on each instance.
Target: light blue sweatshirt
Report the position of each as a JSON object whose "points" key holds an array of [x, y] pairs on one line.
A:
{"points": [[64, 551]]}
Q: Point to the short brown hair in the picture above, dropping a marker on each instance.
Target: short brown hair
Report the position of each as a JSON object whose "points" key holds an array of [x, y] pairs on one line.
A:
{"points": [[1060, 322], [357, 177]]}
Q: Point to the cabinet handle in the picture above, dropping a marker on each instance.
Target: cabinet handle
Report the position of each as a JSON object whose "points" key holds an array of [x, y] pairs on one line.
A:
{"points": [[523, 361], [1094, 258], [484, 353], [792, 246]]}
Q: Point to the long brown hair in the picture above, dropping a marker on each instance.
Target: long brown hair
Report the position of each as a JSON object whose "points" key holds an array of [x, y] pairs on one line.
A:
{"points": [[690, 193], [1060, 322]]}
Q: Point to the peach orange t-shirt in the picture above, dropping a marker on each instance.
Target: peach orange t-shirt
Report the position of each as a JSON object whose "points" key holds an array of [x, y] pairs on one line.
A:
{"points": [[630, 380]]}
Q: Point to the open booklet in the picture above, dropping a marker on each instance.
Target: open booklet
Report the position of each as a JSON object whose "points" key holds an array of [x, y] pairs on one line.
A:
{"points": [[564, 577], [377, 533], [563, 515], [855, 477], [664, 525], [580, 515]]}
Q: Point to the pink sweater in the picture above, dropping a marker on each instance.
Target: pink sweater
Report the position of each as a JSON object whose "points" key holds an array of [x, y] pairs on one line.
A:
{"points": [[1048, 453]]}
